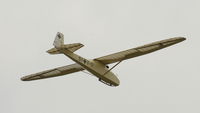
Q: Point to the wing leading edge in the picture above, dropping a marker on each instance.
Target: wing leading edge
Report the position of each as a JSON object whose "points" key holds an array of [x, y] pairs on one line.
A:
{"points": [[138, 51], [54, 72]]}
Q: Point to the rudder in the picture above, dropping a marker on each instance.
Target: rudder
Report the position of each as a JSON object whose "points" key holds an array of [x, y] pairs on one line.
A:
{"points": [[59, 40]]}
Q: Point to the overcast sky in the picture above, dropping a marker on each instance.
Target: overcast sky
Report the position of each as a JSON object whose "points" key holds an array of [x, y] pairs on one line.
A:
{"points": [[166, 81]]}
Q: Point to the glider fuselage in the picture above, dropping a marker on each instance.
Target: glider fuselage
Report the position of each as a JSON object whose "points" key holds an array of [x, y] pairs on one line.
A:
{"points": [[96, 68]]}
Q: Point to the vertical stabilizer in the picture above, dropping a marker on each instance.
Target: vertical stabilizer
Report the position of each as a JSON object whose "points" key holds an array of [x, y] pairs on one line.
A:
{"points": [[59, 40]]}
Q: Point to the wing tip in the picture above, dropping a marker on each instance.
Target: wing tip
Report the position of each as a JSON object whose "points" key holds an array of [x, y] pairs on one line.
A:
{"points": [[24, 79]]}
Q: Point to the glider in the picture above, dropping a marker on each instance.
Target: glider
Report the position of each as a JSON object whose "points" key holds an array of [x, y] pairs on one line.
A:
{"points": [[98, 66]]}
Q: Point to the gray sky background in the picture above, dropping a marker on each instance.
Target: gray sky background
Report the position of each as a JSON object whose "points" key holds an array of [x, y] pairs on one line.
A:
{"points": [[166, 81]]}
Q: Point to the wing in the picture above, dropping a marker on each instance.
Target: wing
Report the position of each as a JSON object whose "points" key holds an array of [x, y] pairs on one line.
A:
{"points": [[138, 51], [54, 72]]}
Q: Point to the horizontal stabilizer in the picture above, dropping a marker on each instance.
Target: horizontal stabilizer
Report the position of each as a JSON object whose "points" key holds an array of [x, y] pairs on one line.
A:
{"points": [[69, 47]]}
